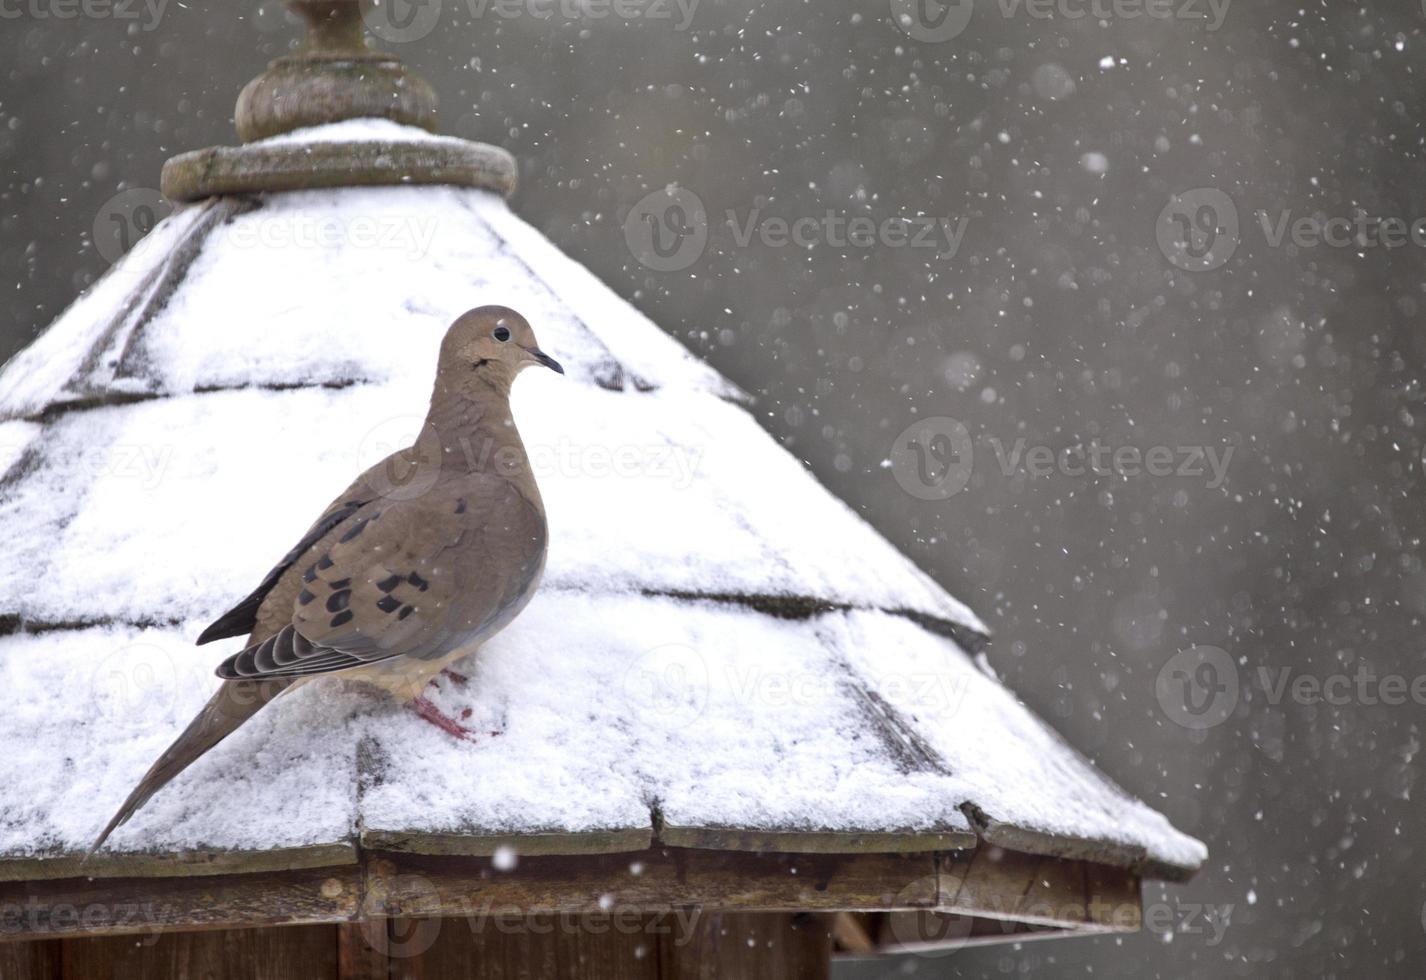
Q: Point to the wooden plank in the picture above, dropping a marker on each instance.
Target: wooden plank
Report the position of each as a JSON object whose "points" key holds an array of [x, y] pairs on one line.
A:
{"points": [[504, 947], [30, 961], [660, 879], [362, 951], [667, 883], [817, 842], [484, 845], [852, 932], [753, 946], [291, 953], [120, 906], [938, 933], [135, 864]]}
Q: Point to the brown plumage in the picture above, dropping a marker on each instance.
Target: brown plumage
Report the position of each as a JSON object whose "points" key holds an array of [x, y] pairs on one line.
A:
{"points": [[425, 556]]}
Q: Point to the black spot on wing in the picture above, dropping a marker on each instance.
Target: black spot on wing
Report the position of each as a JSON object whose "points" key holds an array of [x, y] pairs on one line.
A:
{"points": [[405, 611], [243, 617], [353, 531], [338, 601], [342, 618], [388, 603], [418, 581], [388, 584]]}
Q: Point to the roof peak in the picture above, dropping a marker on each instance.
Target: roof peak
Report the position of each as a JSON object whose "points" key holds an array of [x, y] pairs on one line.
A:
{"points": [[334, 75], [334, 78]]}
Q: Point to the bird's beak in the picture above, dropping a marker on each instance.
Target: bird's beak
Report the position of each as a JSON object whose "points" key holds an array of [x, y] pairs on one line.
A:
{"points": [[545, 359]]}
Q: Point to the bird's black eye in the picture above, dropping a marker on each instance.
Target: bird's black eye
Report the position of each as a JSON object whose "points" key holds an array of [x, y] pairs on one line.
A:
{"points": [[502, 334]]}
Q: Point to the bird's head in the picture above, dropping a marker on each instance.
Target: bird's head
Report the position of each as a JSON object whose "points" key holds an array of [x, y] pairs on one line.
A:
{"points": [[494, 342]]}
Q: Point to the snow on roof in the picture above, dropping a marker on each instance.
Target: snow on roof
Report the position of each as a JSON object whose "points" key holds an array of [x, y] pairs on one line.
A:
{"points": [[720, 644]]}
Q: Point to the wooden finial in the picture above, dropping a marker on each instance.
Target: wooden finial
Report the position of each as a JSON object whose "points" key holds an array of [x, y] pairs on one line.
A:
{"points": [[335, 75]]}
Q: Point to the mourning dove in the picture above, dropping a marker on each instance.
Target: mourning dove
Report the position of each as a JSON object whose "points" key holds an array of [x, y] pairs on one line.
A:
{"points": [[424, 557]]}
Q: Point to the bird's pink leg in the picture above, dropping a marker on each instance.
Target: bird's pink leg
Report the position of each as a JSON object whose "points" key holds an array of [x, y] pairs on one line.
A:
{"points": [[425, 709]]}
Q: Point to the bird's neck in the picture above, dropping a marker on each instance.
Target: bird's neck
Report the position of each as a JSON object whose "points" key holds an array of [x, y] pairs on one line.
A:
{"points": [[477, 434]]}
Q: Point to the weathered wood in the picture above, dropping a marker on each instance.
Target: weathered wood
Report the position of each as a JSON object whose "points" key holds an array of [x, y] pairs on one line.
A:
{"points": [[852, 932], [752, 946], [541, 947], [182, 863], [1009, 889], [30, 961], [484, 845], [362, 951], [659, 879], [816, 842], [119, 906], [291, 953]]}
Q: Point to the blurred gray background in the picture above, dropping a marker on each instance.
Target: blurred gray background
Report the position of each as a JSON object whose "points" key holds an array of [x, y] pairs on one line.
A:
{"points": [[1060, 320]]}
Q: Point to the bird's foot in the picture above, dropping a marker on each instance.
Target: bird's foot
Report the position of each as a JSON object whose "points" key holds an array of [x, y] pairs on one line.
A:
{"points": [[428, 711]]}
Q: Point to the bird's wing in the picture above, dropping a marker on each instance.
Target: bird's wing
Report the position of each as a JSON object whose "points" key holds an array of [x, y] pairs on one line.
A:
{"points": [[243, 617], [412, 577]]}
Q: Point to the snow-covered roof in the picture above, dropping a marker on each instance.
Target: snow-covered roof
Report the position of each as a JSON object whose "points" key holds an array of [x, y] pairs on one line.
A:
{"points": [[722, 653]]}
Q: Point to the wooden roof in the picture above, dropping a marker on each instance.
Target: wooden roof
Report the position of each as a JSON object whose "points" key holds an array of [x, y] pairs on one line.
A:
{"points": [[723, 657]]}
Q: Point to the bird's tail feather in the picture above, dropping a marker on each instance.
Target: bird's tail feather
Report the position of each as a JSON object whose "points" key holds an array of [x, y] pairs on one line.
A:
{"points": [[234, 703]]}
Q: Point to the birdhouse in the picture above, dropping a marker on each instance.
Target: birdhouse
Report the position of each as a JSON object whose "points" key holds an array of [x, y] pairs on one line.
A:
{"points": [[735, 733]]}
